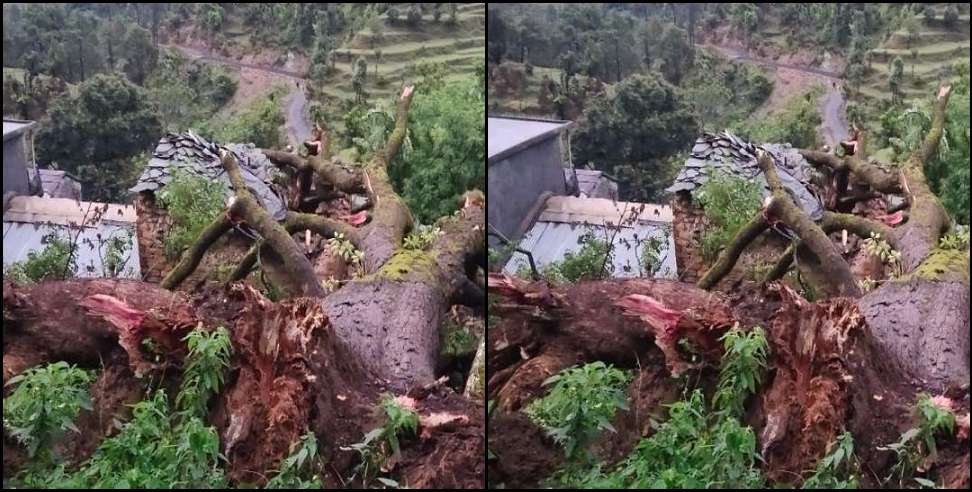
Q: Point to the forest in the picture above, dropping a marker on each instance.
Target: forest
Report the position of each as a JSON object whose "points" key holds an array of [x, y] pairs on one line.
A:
{"points": [[244, 245], [811, 165]]}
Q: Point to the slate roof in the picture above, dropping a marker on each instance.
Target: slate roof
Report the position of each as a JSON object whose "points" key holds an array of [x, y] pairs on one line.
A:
{"points": [[197, 155], [737, 156]]}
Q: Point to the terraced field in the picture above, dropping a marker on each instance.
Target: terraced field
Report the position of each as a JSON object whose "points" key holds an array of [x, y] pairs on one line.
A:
{"points": [[462, 47], [937, 48]]}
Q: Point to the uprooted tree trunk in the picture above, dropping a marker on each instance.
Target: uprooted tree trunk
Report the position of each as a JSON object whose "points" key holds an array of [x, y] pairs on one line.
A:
{"points": [[852, 361], [316, 361], [921, 317]]}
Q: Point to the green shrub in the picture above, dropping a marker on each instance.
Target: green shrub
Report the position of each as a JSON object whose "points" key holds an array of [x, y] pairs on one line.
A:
{"points": [[421, 238], [594, 260], [580, 405], [742, 366], [208, 359], [918, 443], [57, 261], [729, 202], [795, 124], [832, 468], [193, 202], [288, 477], [259, 124], [45, 403], [382, 443]]}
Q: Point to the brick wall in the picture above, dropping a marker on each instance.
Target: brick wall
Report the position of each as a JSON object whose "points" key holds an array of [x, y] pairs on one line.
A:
{"points": [[153, 224], [688, 224]]}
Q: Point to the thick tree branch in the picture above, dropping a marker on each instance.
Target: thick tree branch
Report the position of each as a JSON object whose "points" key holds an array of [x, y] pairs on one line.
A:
{"points": [[324, 226], [829, 271], [340, 177], [729, 256], [401, 122], [930, 145], [192, 256], [869, 173], [461, 249]]}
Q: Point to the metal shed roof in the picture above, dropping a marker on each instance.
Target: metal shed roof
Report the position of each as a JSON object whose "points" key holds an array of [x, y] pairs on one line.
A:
{"points": [[195, 154], [506, 135], [736, 156], [30, 218], [12, 128], [565, 219]]}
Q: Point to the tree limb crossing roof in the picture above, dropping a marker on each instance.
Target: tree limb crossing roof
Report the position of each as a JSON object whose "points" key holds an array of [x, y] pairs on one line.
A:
{"points": [[194, 154], [738, 157]]}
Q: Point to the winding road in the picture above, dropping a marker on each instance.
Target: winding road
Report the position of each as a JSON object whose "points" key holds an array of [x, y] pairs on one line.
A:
{"points": [[833, 123], [296, 114]]}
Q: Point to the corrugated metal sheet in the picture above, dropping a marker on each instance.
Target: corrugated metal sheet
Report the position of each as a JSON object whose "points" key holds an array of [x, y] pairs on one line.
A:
{"points": [[549, 241], [20, 238]]}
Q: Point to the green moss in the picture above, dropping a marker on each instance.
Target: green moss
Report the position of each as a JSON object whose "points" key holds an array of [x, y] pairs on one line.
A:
{"points": [[409, 264], [944, 265]]}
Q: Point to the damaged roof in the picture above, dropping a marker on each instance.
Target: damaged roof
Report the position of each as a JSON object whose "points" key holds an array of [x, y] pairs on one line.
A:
{"points": [[738, 157], [195, 154], [565, 219]]}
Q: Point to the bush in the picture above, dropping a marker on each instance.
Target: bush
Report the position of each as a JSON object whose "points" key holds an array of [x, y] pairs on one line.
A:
{"points": [[594, 260], [193, 202], [951, 15], [288, 477], [414, 15], [45, 403], [580, 405], [795, 124], [917, 444], [57, 261], [729, 202], [382, 443], [259, 124]]}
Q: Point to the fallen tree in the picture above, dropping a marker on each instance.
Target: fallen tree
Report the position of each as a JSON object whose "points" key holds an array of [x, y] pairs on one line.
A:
{"points": [[317, 360], [854, 360]]}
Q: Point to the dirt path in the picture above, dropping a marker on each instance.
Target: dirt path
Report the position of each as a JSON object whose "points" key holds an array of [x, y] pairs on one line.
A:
{"points": [[833, 124], [295, 111]]}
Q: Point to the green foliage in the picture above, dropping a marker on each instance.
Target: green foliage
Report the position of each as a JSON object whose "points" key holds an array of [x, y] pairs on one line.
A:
{"points": [[795, 124], [187, 93], [381, 443], [259, 124], [288, 476], [895, 79], [831, 469], [723, 92], [951, 15], [650, 258], [57, 261], [115, 252], [459, 341], [45, 403], [594, 260], [879, 248], [347, 251], [615, 126], [745, 16], [958, 239], [742, 366], [447, 154], [422, 238], [729, 202], [918, 443], [208, 359], [94, 135], [414, 15], [193, 202], [580, 405]]}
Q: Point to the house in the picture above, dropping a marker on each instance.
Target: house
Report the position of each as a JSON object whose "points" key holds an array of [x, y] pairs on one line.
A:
{"points": [[524, 157], [28, 220], [565, 219], [18, 157], [735, 156], [193, 154]]}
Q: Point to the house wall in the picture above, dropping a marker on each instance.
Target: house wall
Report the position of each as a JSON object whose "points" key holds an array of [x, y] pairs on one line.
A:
{"points": [[688, 225], [515, 183], [153, 224], [15, 166]]}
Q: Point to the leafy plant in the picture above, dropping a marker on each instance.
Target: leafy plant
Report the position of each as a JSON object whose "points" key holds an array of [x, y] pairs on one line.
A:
{"points": [[958, 239], [728, 202], [594, 260], [45, 403], [208, 359], [346, 250], [741, 371], [580, 405], [193, 202], [117, 250], [650, 258], [382, 443], [837, 464], [917, 444], [422, 237], [57, 261], [288, 476], [875, 246]]}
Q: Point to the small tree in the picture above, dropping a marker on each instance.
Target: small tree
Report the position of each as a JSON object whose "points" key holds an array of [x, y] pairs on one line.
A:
{"points": [[453, 13], [377, 59], [359, 78], [951, 15], [914, 60], [414, 15], [897, 72], [913, 26], [929, 13], [437, 11], [393, 14], [377, 28]]}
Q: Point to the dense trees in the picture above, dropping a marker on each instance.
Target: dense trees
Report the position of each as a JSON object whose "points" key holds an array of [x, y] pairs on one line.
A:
{"points": [[614, 131], [95, 134]]}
